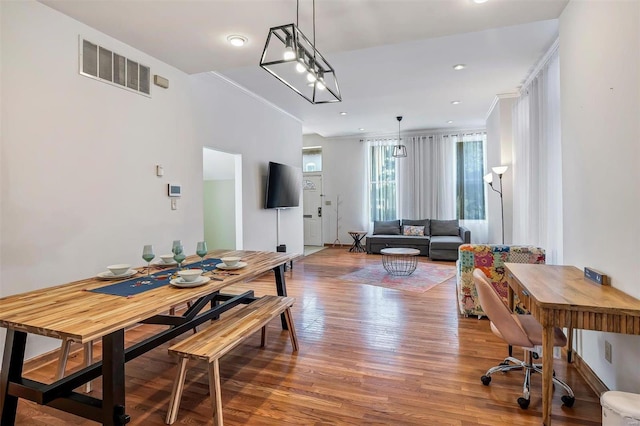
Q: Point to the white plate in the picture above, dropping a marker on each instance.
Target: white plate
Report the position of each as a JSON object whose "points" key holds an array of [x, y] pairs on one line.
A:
{"points": [[161, 262], [179, 282], [238, 265], [108, 275]]}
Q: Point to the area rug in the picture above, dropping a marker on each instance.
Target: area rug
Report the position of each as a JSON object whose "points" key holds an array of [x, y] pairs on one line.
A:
{"points": [[425, 277]]}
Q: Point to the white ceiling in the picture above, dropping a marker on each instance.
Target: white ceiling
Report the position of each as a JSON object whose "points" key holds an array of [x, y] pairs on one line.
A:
{"points": [[392, 57]]}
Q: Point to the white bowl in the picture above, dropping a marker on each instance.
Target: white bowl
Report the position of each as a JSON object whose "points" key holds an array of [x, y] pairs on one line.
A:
{"points": [[119, 269], [231, 261], [190, 275], [167, 258]]}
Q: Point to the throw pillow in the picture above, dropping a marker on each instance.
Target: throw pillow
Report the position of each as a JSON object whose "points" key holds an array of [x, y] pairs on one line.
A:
{"points": [[386, 227], [422, 222], [445, 227], [415, 231]]}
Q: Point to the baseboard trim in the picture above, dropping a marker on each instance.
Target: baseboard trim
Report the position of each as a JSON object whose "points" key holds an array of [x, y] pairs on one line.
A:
{"points": [[47, 357], [589, 376]]}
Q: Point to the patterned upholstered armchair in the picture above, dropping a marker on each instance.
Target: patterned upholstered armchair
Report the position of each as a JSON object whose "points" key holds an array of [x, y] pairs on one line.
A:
{"points": [[490, 259]]}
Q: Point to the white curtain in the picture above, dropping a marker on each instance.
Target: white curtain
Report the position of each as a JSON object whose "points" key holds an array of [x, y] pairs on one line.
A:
{"points": [[380, 182], [537, 162], [427, 178]]}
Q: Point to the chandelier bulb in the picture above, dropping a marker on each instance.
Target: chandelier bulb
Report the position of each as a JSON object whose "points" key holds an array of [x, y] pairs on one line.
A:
{"points": [[311, 77], [289, 55], [300, 68]]}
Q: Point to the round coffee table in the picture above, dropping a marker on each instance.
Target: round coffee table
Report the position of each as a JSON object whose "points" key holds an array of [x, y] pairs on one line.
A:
{"points": [[400, 261]]}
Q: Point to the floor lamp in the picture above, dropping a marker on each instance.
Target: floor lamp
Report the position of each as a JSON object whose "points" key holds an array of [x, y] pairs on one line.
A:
{"points": [[488, 178]]}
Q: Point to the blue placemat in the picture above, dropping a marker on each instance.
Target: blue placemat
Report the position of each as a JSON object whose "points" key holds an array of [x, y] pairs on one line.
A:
{"points": [[138, 285]]}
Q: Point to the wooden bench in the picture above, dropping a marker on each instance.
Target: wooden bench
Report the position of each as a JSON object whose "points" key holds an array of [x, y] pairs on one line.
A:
{"points": [[221, 337]]}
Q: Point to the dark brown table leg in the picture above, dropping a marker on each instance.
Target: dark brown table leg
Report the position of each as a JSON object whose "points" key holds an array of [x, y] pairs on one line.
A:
{"points": [[113, 392], [12, 363], [281, 289]]}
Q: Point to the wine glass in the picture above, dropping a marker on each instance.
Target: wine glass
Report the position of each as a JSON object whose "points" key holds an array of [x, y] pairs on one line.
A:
{"points": [[175, 243], [201, 250], [178, 255], [148, 256]]}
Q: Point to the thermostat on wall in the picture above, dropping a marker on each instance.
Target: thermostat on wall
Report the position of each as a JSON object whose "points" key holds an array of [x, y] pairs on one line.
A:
{"points": [[174, 190]]}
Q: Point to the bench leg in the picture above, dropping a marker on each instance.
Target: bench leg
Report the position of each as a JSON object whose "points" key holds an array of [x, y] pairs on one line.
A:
{"points": [[263, 338], [176, 393], [62, 359], [292, 329], [215, 391], [88, 360], [64, 355]]}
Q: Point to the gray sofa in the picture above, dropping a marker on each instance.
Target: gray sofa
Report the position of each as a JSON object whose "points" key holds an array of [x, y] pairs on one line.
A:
{"points": [[440, 239]]}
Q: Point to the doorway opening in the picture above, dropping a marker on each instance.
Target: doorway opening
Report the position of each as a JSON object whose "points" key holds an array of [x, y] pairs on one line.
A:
{"points": [[312, 196], [222, 199]]}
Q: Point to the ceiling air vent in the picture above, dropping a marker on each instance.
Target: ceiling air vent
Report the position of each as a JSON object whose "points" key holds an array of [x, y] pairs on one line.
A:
{"points": [[105, 65]]}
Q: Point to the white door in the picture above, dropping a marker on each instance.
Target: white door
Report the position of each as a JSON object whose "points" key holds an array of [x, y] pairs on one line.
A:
{"points": [[312, 208]]}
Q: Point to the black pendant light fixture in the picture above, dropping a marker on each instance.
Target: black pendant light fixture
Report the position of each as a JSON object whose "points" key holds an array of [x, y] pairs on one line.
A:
{"points": [[399, 150], [290, 57]]}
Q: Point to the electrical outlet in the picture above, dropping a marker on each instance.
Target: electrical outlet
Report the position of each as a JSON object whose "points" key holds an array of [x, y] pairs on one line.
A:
{"points": [[607, 351]]}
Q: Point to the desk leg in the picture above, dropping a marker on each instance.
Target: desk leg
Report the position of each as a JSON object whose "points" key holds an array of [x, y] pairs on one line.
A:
{"points": [[113, 393], [547, 373], [281, 289], [12, 363]]}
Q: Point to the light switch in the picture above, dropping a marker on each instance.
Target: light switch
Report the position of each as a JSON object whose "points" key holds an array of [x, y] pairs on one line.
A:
{"points": [[174, 204], [159, 170]]}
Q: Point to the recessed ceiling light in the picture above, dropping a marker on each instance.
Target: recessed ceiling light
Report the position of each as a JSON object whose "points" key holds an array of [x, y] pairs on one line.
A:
{"points": [[459, 67], [479, 1], [237, 40], [450, 121], [361, 129], [343, 113], [455, 102]]}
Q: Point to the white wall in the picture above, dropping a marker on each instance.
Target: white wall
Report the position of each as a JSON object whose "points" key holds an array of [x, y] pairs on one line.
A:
{"points": [[600, 92], [343, 161], [78, 156], [499, 147], [234, 121]]}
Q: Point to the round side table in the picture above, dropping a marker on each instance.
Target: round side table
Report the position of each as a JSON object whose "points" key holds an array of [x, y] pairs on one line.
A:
{"points": [[357, 241], [400, 261]]}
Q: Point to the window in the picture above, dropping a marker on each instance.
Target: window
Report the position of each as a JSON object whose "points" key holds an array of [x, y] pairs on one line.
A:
{"points": [[312, 159], [470, 203], [383, 199]]}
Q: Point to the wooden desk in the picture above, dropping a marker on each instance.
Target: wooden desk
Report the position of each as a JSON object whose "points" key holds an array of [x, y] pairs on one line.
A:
{"points": [[69, 311], [560, 296]]}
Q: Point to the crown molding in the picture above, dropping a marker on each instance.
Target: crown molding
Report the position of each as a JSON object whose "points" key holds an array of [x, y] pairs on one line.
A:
{"points": [[497, 99], [540, 64], [253, 95]]}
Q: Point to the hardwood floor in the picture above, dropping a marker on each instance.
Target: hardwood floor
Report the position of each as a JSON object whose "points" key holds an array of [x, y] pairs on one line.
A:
{"points": [[368, 355]]}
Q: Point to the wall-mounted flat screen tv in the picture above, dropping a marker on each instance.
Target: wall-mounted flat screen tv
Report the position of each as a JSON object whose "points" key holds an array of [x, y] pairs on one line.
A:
{"points": [[283, 186]]}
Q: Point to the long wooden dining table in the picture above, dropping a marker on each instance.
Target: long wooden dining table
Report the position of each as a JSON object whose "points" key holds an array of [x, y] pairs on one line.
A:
{"points": [[72, 311]]}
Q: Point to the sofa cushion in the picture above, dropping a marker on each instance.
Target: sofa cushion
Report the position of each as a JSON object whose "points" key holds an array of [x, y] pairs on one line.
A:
{"points": [[421, 222], [375, 243], [417, 231], [445, 227], [386, 227], [445, 242]]}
